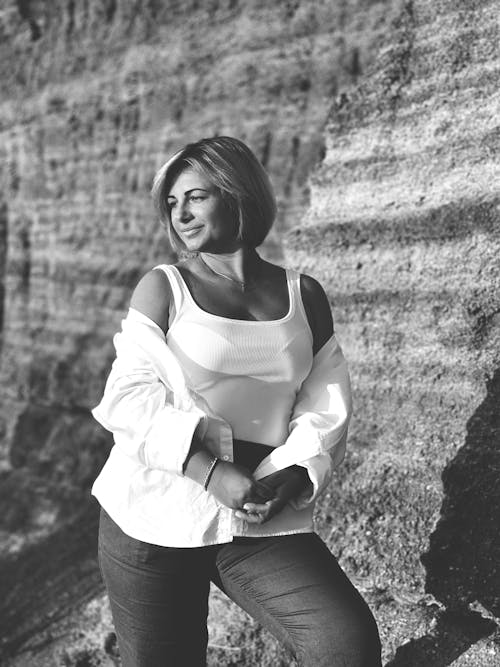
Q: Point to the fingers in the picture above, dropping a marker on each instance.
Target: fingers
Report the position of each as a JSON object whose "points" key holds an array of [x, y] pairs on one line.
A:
{"points": [[256, 507], [259, 513], [254, 512]]}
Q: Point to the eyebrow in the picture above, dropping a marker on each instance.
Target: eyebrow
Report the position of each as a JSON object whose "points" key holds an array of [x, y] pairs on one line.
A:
{"points": [[188, 191]]}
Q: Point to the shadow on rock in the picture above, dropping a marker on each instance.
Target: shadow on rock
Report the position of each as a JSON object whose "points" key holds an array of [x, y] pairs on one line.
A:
{"points": [[48, 581], [463, 561], [454, 633]]}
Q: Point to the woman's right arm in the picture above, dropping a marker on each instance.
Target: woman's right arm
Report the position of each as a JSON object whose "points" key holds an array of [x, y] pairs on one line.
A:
{"points": [[152, 297], [138, 405]]}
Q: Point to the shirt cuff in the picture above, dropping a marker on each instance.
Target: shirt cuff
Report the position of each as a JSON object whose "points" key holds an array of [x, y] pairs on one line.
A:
{"points": [[319, 469], [168, 442]]}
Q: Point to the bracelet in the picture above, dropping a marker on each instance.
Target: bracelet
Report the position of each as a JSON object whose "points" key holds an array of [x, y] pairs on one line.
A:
{"points": [[209, 472]]}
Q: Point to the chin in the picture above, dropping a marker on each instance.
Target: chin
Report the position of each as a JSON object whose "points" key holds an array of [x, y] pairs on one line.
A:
{"points": [[201, 245], [194, 244]]}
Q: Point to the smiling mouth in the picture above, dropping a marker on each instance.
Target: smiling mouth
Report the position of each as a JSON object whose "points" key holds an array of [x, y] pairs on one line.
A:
{"points": [[191, 232]]}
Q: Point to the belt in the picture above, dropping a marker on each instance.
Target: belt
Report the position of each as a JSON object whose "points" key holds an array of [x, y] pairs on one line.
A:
{"points": [[250, 454]]}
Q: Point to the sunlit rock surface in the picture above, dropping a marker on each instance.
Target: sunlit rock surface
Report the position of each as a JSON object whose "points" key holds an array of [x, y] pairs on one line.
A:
{"points": [[401, 228]]}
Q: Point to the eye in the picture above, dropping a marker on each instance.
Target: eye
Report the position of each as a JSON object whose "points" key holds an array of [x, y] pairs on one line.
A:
{"points": [[197, 198], [171, 203]]}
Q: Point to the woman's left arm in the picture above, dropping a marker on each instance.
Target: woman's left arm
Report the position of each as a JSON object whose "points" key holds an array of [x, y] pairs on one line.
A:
{"points": [[318, 311], [319, 420]]}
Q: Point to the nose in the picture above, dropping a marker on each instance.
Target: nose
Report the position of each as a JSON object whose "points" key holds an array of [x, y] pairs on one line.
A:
{"points": [[182, 212]]}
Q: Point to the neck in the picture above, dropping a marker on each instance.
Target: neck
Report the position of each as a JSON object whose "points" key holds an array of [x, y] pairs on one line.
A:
{"points": [[241, 265]]}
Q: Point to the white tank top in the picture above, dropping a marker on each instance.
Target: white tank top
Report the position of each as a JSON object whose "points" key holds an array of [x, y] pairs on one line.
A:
{"points": [[249, 372]]}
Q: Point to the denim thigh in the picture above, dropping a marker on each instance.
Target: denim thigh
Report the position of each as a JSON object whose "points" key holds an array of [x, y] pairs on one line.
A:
{"points": [[294, 586], [158, 598]]}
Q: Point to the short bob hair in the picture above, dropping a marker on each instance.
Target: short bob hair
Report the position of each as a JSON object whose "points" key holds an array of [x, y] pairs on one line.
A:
{"points": [[240, 178]]}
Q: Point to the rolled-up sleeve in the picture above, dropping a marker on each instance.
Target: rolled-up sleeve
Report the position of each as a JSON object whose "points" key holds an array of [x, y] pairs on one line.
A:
{"points": [[318, 424], [320, 469], [141, 410], [138, 409]]}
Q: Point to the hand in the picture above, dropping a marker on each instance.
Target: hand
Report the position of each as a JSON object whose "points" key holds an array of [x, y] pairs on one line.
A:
{"points": [[233, 486], [286, 483]]}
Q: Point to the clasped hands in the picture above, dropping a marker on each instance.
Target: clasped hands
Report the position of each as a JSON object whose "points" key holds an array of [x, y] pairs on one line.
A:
{"points": [[256, 501]]}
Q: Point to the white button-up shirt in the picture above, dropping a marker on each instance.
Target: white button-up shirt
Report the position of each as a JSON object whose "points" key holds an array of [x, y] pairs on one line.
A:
{"points": [[153, 415]]}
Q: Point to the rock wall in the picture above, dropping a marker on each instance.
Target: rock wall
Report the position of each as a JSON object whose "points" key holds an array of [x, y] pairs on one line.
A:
{"points": [[94, 95], [401, 229]]}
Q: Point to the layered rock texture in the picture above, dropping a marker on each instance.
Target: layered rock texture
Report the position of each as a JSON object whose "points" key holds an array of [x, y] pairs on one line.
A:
{"points": [[394, 206], [404, 229]]}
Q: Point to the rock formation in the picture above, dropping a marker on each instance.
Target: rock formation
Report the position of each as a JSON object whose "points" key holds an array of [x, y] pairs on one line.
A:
{"points": [[403, 227], [399, 220]]}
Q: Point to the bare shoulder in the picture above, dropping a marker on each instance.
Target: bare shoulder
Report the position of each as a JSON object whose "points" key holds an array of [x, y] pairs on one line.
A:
{"points": [[318, 311], [152, 297]]}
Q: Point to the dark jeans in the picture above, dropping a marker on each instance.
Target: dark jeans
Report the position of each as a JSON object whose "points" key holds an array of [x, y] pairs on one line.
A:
{"points": [[291, 584]]}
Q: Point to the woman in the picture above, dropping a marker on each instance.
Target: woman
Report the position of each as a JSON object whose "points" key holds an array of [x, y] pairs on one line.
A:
{"points": [[229, 403]]}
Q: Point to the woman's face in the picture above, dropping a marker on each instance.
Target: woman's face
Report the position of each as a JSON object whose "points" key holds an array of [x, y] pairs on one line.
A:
{"points": [[199, 215]]}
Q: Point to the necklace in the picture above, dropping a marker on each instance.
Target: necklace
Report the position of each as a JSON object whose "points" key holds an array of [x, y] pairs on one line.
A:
{"points": [[241, 283]]}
